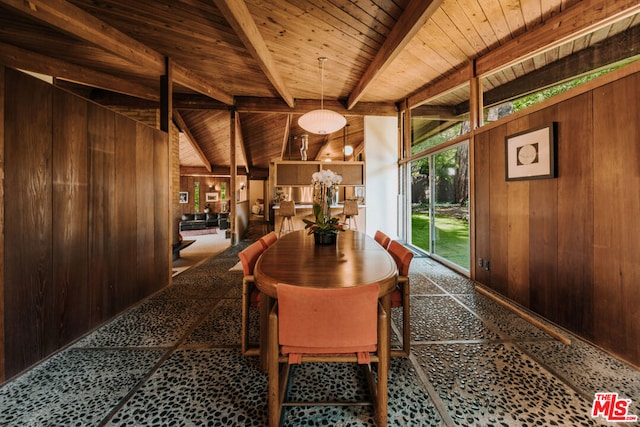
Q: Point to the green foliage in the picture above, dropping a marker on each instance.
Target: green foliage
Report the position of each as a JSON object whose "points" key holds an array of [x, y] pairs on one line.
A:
{"points": [[196, 197], [534, 98], [322, 224], [444, 136], [452, 237]]}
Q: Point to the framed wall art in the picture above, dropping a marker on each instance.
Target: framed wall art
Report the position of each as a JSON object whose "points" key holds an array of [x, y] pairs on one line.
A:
{"points": [[531, 154], [212, 197], [184, 197]]}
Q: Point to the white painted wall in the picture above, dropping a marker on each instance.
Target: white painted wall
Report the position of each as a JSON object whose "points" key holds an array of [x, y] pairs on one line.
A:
{"points": [[381, 148]]}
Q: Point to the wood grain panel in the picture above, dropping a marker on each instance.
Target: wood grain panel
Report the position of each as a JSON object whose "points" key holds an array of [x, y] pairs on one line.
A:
{"points": [[161, 208], [575, 209], [29, 295], [70, 220], [616, 231], [543, 234], [2, 224], [499, 224], [145, 214], [482, 191], [101, 142], [126, 232]]}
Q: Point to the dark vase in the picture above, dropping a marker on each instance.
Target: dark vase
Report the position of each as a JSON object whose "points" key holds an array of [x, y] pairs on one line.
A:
{"points": [[325, 238]]}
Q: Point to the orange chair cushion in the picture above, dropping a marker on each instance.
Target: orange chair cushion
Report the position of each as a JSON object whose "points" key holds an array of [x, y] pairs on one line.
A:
{"points": [[327, 321], [249, 256], [382, 238], [402, 256], [269, 239]]}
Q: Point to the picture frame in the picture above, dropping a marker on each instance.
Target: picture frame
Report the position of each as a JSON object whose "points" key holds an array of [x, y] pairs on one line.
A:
{"points": [[212, 197], [184, 197], [531, 154]]}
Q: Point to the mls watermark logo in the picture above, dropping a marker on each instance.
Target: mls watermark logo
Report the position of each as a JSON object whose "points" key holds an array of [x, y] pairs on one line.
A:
{"points": [[612, 408]]}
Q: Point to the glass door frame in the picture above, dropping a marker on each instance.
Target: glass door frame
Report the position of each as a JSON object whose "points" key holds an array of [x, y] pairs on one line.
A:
{"points": [[405, 172]]}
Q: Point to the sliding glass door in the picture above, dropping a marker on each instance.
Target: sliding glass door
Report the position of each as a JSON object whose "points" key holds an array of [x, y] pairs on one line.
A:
{"points": [[439, 214]]}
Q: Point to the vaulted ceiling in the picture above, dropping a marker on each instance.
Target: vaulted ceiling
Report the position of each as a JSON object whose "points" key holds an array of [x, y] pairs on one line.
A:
{"points": [[260, 59]]}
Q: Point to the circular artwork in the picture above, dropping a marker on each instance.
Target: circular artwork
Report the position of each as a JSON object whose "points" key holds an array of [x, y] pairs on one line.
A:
{"points": [[528, 154]]}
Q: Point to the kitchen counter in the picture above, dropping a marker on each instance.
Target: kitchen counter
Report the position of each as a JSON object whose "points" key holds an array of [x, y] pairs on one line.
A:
{"points": [[305, 210]]}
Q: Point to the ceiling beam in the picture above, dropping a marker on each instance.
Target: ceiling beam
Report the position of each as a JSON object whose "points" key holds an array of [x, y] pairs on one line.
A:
{"points": [[182, 125], [70, 19], [240, 139], [273, 105], [414, 17], [577, 21], [31, 61], [433, 90], [435, 112], [285, 137], [222, 171], [252, 104], [238, 16]]}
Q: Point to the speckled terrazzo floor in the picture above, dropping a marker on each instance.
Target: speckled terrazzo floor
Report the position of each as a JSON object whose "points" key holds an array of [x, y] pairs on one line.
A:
{"points": [[174, 359]]}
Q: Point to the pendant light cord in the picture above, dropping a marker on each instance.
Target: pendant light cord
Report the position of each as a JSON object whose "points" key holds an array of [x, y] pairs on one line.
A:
{"points": [[322, 60]]}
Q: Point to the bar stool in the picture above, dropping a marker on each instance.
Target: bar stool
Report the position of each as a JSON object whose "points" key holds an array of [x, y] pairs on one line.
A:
{"points": [[350, 212], [287, 212]]}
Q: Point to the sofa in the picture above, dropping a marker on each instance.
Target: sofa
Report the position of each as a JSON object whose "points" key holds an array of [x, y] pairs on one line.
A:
{"points": [[199, 221]]}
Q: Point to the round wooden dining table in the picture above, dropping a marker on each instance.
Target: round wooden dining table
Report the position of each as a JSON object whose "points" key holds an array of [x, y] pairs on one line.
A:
{"points": [[356, 259]]}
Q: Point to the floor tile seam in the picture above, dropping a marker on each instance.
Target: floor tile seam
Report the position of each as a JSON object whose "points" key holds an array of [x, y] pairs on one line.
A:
{"points": [[462, 341], [561, 376], [490, 325], [169, 351], [437, 401]]}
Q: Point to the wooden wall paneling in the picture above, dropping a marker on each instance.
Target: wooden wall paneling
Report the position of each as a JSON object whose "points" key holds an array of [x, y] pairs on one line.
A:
{"points": [[2, 324], [481, 161], [69, 216], [162, 208], [616, 205], [186, 184], [101, 140], [498, 227], [573, 304], [125, 231], [145, 213], [518, 229], [543, 233], [29, 294]]}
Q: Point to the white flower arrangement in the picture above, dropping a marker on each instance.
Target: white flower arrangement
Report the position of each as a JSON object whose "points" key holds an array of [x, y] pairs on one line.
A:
{"points": [[324, 185]]}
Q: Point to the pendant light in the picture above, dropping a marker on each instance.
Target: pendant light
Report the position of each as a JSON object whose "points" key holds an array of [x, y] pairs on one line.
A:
{"points": [[322, 121]]}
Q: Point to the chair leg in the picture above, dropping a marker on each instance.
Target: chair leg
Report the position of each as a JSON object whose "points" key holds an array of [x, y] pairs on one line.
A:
{"points": [[273, 353], [406, 322], [246, 302], [382, 392], [286, 225]]}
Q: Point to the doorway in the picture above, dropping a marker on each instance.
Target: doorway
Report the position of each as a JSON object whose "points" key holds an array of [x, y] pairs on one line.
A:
{"points": [[438, 220]]}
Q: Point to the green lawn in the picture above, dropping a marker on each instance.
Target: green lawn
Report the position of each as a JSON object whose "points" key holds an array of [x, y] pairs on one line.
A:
{"points": [[452, 237]]}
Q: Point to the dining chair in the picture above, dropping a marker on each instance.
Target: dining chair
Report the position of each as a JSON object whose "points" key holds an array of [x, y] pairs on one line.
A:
{"points": [[350, 212], [382, 238], [400, 296], [251, 296], [311, 325], [269, 239], [287, 212]]}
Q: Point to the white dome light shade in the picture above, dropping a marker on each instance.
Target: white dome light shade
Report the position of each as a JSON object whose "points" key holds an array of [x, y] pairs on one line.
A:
{"points": [[348, 150], [322, 121]]}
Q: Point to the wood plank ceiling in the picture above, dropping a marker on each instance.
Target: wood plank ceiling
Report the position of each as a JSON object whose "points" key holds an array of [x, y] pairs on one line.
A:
{"points": [[260, 58]]}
